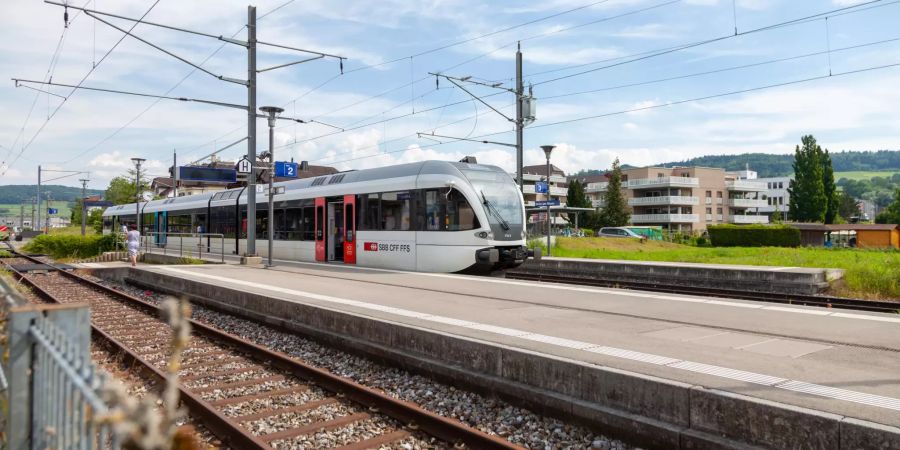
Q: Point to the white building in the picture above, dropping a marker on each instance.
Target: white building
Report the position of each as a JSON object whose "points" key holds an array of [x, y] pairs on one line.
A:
{"points": [[777, 196]]}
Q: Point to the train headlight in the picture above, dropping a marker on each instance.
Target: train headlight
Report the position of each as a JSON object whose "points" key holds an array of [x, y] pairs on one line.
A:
{"points": [[485, 234]]}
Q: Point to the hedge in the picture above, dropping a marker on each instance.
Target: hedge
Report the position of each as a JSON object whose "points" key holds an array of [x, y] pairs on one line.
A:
{"points": [[753, 236], [71, 246]]}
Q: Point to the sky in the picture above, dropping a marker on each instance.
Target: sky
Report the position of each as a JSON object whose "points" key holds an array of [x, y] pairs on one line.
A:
{"points": [[611, 79]]}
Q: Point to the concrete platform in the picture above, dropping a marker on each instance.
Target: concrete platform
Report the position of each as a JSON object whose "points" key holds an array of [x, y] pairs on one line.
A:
{"points": [[790, 280], [665, 371]]}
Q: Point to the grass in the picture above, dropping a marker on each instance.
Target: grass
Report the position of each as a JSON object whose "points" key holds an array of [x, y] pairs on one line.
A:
{"points": [[864, 174], [74, 230], [873, 274]]}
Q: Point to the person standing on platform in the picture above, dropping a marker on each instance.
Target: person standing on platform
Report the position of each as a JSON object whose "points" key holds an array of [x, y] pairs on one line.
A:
{"points": [[133, 240]]}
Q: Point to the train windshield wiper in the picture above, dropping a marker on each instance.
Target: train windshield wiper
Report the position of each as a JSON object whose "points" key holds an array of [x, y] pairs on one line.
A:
{"points": [[493, 210]]}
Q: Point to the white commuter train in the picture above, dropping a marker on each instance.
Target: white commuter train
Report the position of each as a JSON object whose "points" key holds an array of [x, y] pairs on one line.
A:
{"points": [[431, 216]]}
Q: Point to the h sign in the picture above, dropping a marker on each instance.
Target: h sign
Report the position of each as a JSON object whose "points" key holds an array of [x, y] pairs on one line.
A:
{"points": [[243, 166]]}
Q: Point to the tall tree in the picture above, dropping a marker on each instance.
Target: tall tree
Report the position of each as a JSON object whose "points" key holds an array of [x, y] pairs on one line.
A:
{"points": [[807, 189], [576, 198], [121, 189], [847, 206], [616, 212], [832, 200]]}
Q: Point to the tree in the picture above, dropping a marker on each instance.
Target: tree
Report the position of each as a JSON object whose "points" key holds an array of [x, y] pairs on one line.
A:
{"points": [[616, 212], [847, 206], [576, 198], [807, 189], [121, 189], [891, 214], [832, 201]]}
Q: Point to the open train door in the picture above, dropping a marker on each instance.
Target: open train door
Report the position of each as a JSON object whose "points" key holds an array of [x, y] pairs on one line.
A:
{"points": [[320, 229], [349, 229]]}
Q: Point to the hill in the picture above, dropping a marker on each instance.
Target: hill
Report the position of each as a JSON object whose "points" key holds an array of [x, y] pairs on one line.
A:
{"points": [[770, 165], [17, 193]]}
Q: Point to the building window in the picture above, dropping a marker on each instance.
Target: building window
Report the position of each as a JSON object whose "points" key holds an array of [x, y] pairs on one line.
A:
{"points": [[780, 185], [719, 194], [708, 211], [718, 210], [708, 194]]}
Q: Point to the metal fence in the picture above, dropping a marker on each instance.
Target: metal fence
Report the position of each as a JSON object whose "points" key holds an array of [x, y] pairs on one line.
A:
{"points": [[52, 389], [197, 244]]}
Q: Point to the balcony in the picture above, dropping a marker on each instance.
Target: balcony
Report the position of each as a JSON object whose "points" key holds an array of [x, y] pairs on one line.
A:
{"points": [[596, 187], [746, 185], [749, 219], [598, 203], [642, 183], [664, 218], [663, 200], [747, 202], [534, 177]]}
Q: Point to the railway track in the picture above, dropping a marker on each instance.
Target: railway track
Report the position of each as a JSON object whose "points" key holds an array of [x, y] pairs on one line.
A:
{"points": [[249, 396], [793, 299]]}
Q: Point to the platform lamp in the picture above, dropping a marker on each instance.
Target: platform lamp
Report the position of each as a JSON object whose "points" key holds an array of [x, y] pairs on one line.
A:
{"points": [[547, 149], [272, 112], [137, 188]]}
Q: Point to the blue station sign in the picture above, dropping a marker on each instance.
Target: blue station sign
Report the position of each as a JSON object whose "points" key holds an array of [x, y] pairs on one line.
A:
{"points": [[544, 203], [285, 169], [541, 187]]}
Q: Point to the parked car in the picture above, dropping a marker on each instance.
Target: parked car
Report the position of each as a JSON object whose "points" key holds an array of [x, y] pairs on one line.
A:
{"points": [[619, 232]]}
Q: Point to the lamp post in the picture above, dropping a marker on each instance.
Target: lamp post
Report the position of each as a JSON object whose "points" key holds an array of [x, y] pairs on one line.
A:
{"points": [[137, 188], [547, 149], [272, 112], [84, 182]]}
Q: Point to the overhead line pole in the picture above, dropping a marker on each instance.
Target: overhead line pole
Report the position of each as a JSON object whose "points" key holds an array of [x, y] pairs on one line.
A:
{"points": [[520, 120], [251, 130]]}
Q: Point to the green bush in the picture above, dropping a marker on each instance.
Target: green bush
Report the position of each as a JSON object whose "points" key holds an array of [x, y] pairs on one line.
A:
{"points": [[588, 232], [753, 236], [71, 246]]}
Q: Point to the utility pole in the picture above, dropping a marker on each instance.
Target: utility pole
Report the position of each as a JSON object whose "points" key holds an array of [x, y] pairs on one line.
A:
{"points": [[520, 120], [251, 130], [174, 173], [22, 216], [38, 223], [137, 187], [84, 183], [49, 197], [32, 213]]}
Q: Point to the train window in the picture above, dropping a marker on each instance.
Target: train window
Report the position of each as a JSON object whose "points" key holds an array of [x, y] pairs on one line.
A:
{"points": [[178, 222], [348, 218], [369, 212], [308, 225], [396, 211], [448, 210]]}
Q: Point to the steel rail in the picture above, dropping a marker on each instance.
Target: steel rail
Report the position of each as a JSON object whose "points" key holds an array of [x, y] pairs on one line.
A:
{"points": [[445, 429], [792, 299]]}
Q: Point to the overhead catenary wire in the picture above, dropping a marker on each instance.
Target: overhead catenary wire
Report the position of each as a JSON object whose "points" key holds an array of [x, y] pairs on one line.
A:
{"points": [[88, 74], [657, 106]]}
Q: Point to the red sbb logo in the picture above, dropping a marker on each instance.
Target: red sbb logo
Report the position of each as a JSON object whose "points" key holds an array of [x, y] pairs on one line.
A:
{"points": [[371, 246]]}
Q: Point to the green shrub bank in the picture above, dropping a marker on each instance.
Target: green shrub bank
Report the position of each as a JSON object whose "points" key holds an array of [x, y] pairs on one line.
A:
{"points": [[753, 236], [71, 246]]}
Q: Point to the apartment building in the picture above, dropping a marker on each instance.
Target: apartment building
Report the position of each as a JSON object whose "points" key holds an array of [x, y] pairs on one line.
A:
{"points": [[558, 190], [687, 198], [777, 196]]}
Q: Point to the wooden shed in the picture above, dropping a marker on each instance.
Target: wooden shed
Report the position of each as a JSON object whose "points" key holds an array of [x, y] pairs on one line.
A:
{"points": [[863, 235]]}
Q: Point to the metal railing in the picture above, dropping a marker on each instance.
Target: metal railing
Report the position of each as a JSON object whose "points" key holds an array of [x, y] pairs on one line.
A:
{"points": [[664, 200], [169, 241], [51, 387], [640, 183]]}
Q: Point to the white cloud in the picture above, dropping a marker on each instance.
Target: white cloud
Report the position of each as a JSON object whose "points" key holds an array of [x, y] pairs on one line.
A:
{"points": [[648, 31]]}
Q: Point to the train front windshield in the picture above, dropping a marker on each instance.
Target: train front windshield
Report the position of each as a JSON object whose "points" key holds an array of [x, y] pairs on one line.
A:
{"points": [[500, 193]]}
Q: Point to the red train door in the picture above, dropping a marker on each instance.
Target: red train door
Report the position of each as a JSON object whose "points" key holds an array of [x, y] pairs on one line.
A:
{"points": [[349, 229], [320, 229]]}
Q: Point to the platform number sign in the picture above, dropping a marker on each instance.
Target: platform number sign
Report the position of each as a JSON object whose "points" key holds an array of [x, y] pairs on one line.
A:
{"points": [[243, 166], [285, 169]]}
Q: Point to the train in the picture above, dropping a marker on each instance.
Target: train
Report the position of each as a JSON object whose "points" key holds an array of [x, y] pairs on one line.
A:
{"points": [[429, 216]]}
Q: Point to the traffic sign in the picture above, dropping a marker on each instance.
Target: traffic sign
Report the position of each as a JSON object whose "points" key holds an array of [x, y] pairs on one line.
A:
{"points": [[544, 203], [52, 211], [243, 166], [541, 188], [285, 169]]}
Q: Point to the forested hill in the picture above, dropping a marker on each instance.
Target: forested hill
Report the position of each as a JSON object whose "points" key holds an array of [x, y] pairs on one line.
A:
{"points": [[17, 193], [768, 165]]}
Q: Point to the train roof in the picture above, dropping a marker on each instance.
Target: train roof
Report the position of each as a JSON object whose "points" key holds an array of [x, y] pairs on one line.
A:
{"points": [[354, 176]]}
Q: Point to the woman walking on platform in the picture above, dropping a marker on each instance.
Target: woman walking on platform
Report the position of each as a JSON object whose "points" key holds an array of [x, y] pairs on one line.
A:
{"points": [[133, 239]]}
